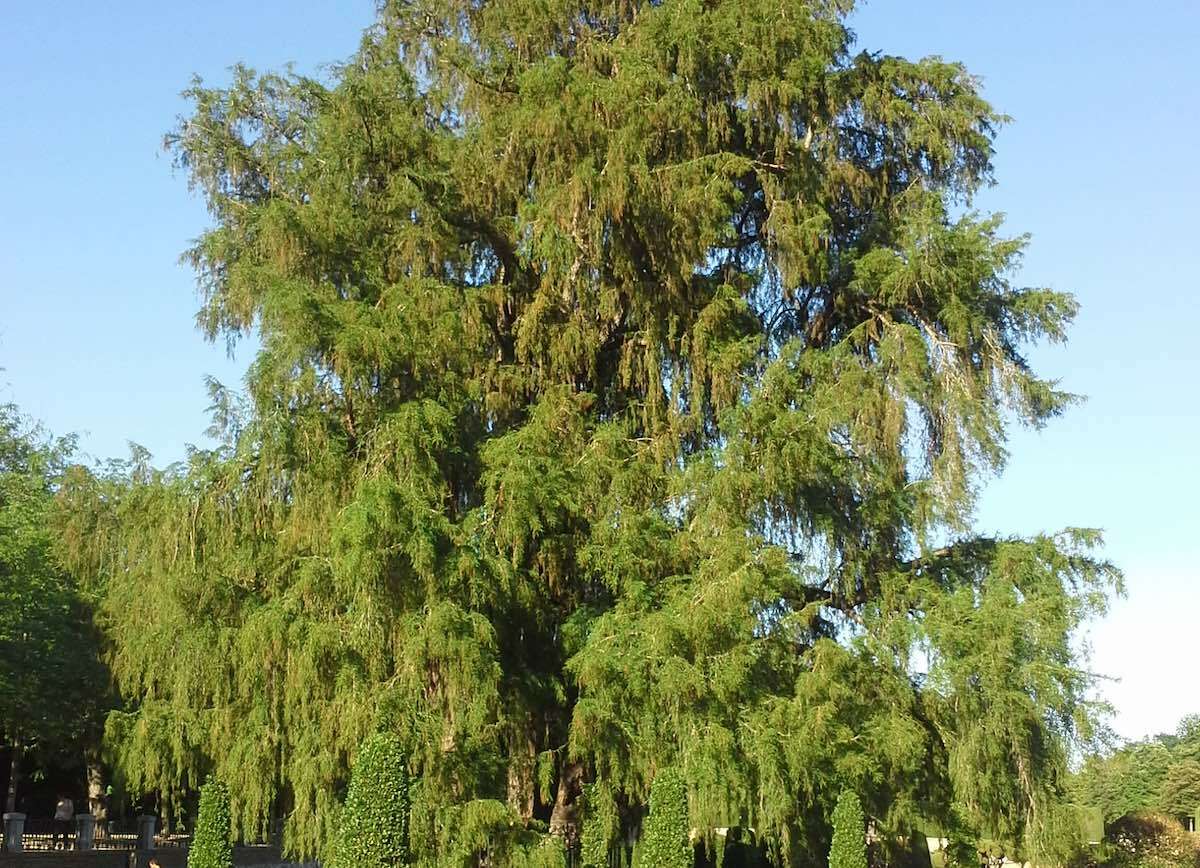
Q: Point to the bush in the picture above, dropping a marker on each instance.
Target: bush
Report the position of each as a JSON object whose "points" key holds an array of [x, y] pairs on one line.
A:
{"points": [[1147, 840], [374, 822], [665, 836], [549, 852], [849, 846], [600, 826], [212, 843]]}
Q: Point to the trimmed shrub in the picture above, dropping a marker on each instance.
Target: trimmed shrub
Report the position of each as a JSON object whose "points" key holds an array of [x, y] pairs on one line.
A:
{"points": [[374, 821], [599, 826], [212, 843], [849, 846], [549, 852], [665, 836], [1147, 840]]}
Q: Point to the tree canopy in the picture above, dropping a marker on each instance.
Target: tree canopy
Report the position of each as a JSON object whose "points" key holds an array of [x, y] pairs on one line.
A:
{"points": [[53, 685], [1154, 775], [627, 372]]}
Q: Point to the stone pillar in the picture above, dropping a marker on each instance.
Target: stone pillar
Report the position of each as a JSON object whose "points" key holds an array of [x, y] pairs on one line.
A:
{"points": [[145, 831], [85, 831], [14, 828]]}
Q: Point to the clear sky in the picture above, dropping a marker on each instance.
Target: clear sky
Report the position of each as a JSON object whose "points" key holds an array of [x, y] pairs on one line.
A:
{"points": [[1100, 165]]}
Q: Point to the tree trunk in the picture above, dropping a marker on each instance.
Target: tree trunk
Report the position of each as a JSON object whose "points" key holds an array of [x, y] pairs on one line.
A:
{"points": [[97, 798], [521, 774], [14, 773], [564, 819]]}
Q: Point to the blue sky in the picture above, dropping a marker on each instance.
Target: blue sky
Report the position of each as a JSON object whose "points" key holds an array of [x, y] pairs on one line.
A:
{"points": [[96, 314]]}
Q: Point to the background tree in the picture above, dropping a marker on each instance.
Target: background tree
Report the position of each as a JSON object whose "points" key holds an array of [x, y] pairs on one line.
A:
{"points": [[627, 373], [1180, 794], [53, 685], [1128, 781], [849, 846], [212, 841], [1185, 742], [1156, 775]]}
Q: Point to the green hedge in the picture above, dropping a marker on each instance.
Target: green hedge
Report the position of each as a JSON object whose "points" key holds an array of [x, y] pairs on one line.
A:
{"points": [[374, 821], [600, 825], [664, 841], [212, 843], [849, 846]]}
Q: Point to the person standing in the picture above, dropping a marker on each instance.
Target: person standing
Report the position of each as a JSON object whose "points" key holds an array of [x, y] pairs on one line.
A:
{"points": [[64, 814]]}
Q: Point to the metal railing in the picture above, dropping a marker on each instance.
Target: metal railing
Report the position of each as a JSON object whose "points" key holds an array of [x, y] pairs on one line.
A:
{"points": [[44, 834]]}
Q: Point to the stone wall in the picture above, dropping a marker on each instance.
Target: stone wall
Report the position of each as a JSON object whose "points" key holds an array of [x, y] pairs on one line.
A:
{"points": [[12, 855], [168, 857], [264, 857], [65, 859]]}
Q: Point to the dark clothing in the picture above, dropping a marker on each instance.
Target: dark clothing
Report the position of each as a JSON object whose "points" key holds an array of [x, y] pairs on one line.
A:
{"points": [[63, 830], [64, 822]]}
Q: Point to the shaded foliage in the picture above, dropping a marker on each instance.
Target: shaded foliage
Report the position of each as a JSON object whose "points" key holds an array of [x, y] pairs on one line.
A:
{"points": [[55, 689]]}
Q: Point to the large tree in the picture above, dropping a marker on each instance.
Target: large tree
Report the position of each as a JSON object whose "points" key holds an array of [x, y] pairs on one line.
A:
{"points": [[1156, 775], [627, 373], [53, 688]]}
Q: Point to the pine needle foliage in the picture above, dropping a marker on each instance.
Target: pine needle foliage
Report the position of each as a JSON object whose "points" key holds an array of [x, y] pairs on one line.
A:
{"points": [[665, 835], [627, 372], [373, 828], [51, 678], [849, 847], [212, 842]]}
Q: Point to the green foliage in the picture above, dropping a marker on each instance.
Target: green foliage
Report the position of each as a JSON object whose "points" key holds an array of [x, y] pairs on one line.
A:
{"points": [[963, 851], [665, 834], [51, 677], [374, 822], [1180, 794], [849, 846], [593, 845], [1160, 774], [550, 852], [627, 373], [601, 826], [480, 831], [1149, 840], [1186, 741], [212, 842], [1072, 832]]}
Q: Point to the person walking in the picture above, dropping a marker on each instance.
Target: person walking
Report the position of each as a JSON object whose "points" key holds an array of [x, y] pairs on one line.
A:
{"points": [[64, 815]]}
